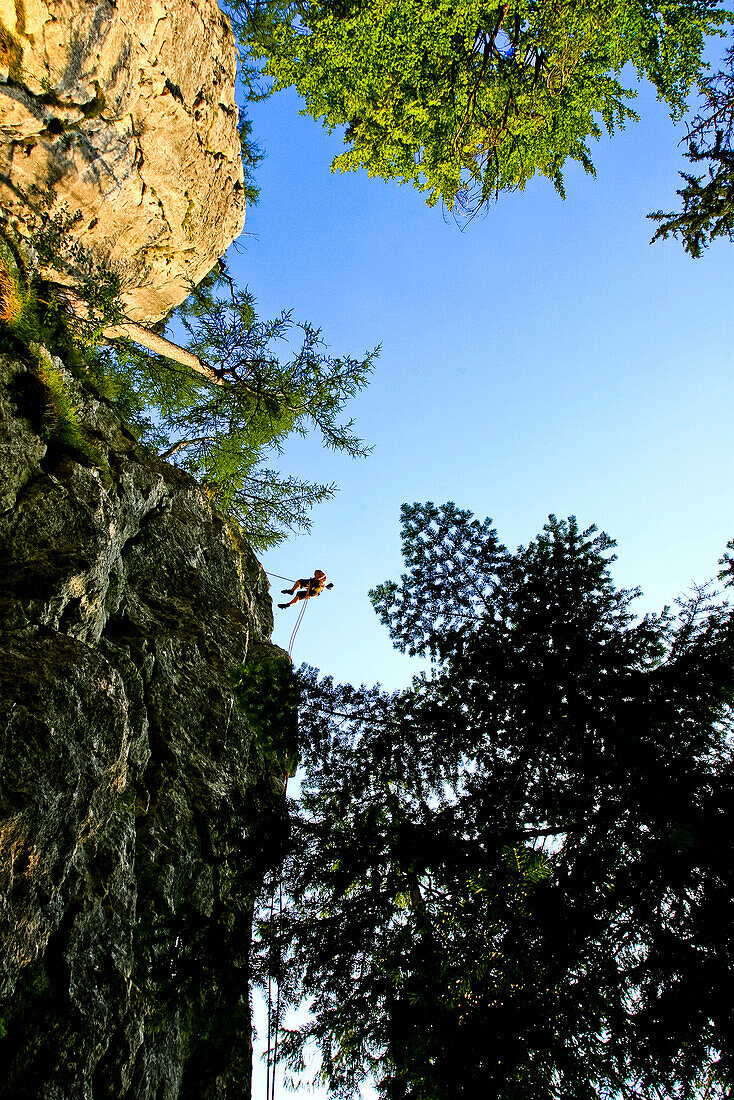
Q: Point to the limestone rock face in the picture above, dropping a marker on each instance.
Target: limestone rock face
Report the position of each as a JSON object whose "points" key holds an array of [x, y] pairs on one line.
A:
{"points": [[137, 816], [125, 111]]}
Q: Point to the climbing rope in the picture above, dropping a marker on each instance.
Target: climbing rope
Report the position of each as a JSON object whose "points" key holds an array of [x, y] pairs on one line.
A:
{"points": [[300, 617], [277, 1000], [274, 1011], [275, 962], [295, 628], [272, 1024]]}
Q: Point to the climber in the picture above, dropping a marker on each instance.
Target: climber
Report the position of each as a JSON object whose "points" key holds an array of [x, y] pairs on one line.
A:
{"points": [[312, 586]]}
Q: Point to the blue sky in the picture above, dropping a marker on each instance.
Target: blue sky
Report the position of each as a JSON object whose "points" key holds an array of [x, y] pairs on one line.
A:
{"points": [[545, 359]]}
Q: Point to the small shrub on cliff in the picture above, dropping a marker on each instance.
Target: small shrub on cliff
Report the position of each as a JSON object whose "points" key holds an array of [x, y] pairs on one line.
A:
{"points": [[97, 287], [267, 694], [17, 307], [11, 303], [59, 350]]}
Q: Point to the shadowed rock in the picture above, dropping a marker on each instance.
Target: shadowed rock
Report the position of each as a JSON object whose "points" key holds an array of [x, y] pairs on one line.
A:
{"points": [[137, 815]]}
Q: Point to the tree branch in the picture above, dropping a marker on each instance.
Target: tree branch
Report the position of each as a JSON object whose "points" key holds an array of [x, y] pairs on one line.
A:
{"points": [[130, 330], [186, 443]]}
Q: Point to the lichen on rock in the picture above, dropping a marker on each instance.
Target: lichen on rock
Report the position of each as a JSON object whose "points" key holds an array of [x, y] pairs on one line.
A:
{"points": [[138, 814]]}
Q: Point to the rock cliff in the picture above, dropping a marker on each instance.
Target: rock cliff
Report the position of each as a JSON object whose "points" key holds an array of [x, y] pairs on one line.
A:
{"points": [[124, 111], [137, 813]]}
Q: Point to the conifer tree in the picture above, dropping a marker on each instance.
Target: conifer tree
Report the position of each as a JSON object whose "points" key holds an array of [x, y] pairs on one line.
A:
{"points": [[512, 879], [708, 200], [223, 419]]}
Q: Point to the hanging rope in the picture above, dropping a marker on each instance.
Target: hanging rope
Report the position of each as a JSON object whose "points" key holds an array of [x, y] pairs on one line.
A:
{"points": [[277, 1000], [270, 1064], [275, 962], [274, 1013], [295, 628], [274, 1016]]}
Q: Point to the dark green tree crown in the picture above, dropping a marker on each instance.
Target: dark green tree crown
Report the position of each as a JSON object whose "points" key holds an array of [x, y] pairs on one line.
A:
{"points": [[512, 878]]}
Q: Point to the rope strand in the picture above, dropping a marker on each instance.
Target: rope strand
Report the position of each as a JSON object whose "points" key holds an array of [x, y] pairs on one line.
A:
{"points": [[277, 999], [295, 628], [270, 1070], [274, 1016]]}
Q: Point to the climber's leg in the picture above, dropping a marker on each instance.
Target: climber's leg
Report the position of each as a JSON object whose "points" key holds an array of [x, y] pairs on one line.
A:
{"points": [[302, 595]]}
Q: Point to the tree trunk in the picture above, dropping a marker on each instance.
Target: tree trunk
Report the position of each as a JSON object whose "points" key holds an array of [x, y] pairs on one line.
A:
{"points": [[130, 330]]}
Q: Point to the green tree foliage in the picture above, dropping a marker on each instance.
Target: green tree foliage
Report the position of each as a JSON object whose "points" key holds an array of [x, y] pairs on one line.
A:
{"points": [[512, 879], [37, 314], [267, 694], [224, 419], [32, 321], [708, 201], [252, 154], [466, 100], [225, 432]]}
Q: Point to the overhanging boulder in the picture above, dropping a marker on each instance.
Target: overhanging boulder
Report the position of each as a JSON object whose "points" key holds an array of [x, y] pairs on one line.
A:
{"points": [[126, 113]]}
